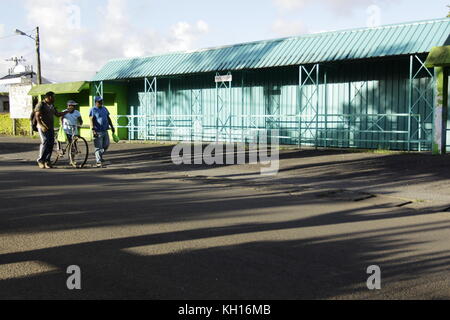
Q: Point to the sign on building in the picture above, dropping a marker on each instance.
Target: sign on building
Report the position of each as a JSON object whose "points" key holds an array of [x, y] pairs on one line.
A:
{"points": [[20, 103], [227, 78]]}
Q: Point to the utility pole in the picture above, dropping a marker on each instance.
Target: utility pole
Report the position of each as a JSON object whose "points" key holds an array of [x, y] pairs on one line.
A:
{"points": [[38, 54], [38, 51]]}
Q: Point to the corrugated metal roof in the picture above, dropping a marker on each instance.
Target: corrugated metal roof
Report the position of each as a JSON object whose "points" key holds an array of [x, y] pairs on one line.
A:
{"points": [[391, 40], [19, 75], [59, 88]]}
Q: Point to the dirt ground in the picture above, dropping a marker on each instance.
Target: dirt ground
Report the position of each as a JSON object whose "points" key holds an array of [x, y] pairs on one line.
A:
{"points": [[144, 228]]}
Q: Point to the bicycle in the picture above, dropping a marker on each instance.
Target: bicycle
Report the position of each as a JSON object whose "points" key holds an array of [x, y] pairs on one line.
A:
{"points": [[77, 148]]}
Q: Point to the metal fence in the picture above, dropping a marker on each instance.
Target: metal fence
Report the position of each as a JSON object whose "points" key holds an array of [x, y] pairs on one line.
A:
{"points": [[330, 130]]}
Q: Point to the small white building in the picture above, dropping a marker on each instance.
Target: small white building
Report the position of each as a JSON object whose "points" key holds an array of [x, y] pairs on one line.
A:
{"points": [[18, 83]]}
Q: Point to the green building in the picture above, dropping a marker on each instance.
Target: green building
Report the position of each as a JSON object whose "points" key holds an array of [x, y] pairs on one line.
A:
{"points": [[83, 93], [361, 88]]}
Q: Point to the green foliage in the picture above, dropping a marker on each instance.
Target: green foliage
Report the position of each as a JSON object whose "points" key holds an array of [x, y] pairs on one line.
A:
{"points": [[6, 125]]}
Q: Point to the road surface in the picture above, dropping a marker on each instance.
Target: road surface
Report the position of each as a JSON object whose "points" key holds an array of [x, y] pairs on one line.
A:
{"points": [[144, 228]]}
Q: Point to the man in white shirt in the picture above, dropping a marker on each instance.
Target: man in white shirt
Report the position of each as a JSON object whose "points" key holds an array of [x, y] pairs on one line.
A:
{"points": [[72, 120]]}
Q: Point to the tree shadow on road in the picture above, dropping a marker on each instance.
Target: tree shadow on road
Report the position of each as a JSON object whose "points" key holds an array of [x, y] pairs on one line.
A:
{"points": [[311, 268]]}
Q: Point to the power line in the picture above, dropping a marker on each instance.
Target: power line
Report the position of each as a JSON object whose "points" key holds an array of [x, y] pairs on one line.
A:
{"points": [[10, 36], [57, 70], [27, 54], [71, 71]]}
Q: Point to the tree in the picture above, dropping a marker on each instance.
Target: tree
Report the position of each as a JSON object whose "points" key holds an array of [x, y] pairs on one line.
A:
{"points": [[448, 15]]}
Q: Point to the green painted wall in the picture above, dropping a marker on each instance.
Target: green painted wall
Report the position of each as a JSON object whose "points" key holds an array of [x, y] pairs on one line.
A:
{"points": [[6, 125], [115, 97]]}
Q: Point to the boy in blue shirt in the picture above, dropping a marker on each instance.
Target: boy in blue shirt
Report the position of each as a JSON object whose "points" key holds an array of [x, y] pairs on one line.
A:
{"points": [[100, 124], [72, 120]]}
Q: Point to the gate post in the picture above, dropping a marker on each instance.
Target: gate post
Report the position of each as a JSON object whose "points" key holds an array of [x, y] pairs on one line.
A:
{"points": [[98, 88], [150, 107], [223, 107], [421, 95], [309, 77]]}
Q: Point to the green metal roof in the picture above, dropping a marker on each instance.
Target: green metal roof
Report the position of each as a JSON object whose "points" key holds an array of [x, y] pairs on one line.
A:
{"points": [[391, 40], [59, 88], [438, 57]]}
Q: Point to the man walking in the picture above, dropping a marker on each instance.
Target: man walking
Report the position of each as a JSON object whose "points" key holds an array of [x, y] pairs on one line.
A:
{"points": [[45, 113], [100, 124]]}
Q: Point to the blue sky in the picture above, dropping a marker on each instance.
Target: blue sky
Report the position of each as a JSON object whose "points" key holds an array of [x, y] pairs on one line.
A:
{"points": [[79, 35]]}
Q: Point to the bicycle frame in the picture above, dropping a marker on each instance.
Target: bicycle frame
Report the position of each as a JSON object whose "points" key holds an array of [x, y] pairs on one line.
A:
{"points": [[73, 139]]}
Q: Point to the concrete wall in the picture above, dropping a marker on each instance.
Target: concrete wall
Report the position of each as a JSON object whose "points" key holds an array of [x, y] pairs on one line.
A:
{"points": [[21, 104]]}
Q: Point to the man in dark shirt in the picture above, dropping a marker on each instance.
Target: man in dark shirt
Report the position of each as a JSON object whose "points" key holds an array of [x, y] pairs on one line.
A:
{"points": [[45, 113]]}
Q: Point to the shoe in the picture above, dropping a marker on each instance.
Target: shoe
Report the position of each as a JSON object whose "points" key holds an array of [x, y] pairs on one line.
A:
{"points": [[99, 165], [48, 166], [41, 165]]}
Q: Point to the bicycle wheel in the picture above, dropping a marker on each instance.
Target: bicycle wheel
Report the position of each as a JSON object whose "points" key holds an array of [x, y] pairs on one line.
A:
{"points": [[78, 152], [58, 151]]}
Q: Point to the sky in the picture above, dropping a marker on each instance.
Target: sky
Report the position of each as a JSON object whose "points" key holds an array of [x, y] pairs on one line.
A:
{"points": [[79, 36]]}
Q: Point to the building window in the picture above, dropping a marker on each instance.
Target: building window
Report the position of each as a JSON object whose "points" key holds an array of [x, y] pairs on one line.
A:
{"points": [[5, 106]]}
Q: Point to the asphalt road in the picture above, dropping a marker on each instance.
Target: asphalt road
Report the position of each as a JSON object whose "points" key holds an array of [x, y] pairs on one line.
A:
{"points": [[144, 228]]}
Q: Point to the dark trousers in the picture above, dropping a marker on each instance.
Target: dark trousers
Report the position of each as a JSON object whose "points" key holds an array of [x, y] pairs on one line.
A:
{"points": [[69, 138], [47, 144]]}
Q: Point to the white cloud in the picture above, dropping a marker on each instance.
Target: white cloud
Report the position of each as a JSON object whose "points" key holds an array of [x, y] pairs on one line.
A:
{"points": [[202, 26], [62, 42], [337, 6], [183, 34], [70, 51], [291, 4], [286, 28]]}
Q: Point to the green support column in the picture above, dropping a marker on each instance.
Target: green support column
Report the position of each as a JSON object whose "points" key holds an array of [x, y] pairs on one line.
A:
{"points": [[439, 58]]}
